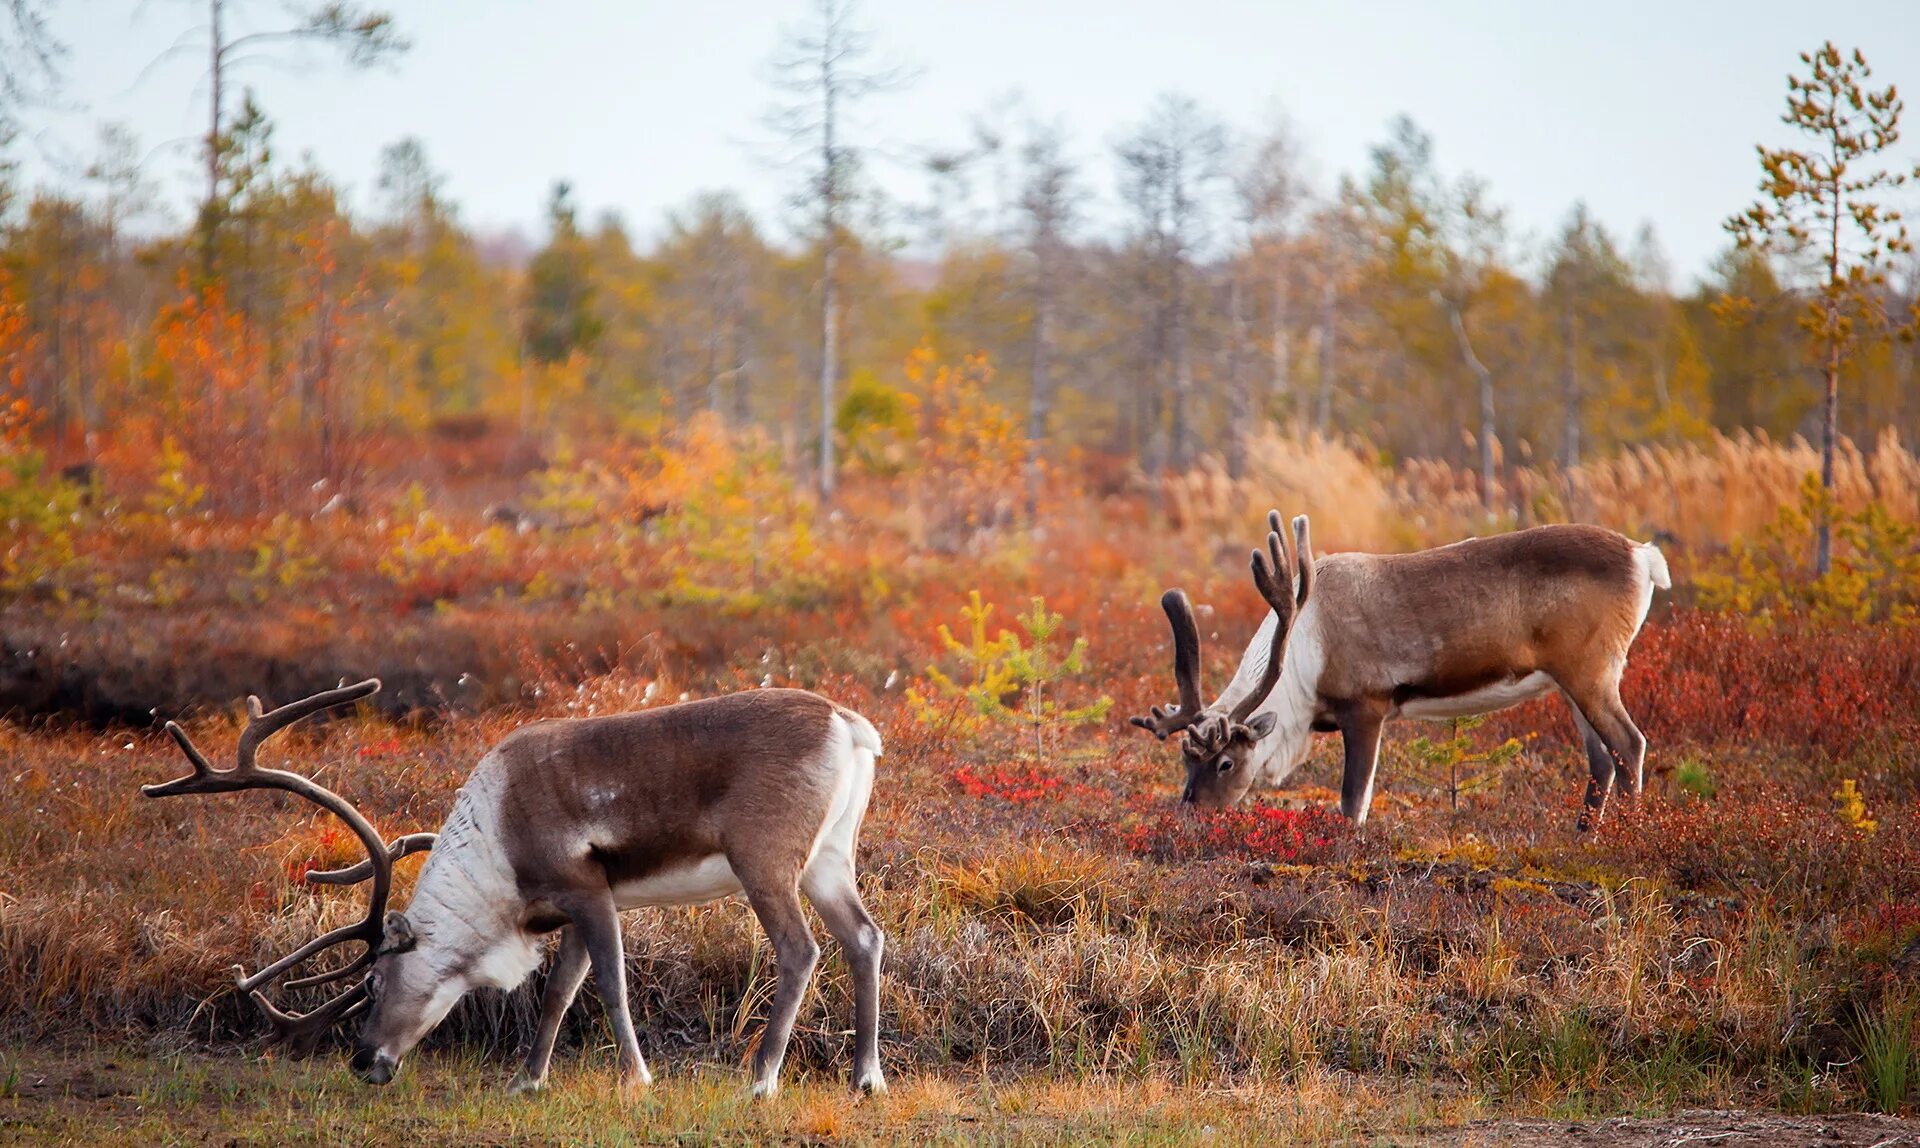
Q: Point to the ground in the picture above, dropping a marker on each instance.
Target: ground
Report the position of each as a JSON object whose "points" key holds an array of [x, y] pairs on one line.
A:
{"points": [[104, 1098]]}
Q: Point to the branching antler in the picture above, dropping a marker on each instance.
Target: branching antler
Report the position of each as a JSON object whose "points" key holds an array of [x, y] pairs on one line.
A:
{"points": [[1164, 721], [356, 873], [1284, 576], [302, 1030], [1273, 574]]}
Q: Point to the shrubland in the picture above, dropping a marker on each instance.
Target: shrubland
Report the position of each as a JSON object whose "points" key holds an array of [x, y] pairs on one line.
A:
{"points": [[1744, 933]]}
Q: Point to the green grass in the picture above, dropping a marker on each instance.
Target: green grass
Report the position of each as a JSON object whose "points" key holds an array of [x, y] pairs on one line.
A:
{"points": [[103, 1097], [1889, 1054]]}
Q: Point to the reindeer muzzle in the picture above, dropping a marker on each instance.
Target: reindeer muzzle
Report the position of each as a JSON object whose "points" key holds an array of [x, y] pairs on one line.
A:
{"points": [[373, 1066]]}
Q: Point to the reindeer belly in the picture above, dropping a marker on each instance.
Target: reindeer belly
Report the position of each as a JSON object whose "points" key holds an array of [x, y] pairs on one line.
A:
{"points": [[686, 883], [1483, 699]]}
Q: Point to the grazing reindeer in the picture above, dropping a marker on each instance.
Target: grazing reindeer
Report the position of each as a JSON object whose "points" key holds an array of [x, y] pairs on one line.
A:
{"points": [[1450, 632], [566, 823]]}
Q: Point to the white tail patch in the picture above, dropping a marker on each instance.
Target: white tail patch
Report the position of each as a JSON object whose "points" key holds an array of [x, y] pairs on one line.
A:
{"points": [[1654, 564], [864, 735]]}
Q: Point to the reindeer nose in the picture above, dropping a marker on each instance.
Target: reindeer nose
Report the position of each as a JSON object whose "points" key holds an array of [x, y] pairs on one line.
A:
{"points": [[1186, 795], [373, 1066]]}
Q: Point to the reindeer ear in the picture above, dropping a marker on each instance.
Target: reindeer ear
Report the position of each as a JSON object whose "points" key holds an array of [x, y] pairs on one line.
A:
{"points": [[1260, 725], [396, 933]]}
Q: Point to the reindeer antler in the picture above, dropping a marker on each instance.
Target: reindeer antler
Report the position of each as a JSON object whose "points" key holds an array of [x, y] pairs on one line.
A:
{"points": [[1273, 575], [1163, 721], [301, 1030]]}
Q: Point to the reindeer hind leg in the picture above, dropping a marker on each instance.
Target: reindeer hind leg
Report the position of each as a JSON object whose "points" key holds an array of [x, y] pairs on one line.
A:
{"points": [[830, 886], [1615, 747]]}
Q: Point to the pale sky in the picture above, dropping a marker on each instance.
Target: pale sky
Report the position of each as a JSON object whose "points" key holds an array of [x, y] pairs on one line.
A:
{"points": [[1648, 111]]}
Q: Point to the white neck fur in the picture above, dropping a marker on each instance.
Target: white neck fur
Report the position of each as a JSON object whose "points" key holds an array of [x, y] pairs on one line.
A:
{"points": [[1293, 699], [466, 899]]}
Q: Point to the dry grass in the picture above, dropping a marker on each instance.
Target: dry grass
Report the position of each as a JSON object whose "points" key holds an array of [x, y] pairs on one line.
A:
{"points": [[1703, 495]]}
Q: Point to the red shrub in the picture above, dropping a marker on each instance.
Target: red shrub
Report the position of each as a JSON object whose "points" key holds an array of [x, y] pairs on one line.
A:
{"points": [[1017, 784], [1767, 841], [1255, 831], [1704, 678]]}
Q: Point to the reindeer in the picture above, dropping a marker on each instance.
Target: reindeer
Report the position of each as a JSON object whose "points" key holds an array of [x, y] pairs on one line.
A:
{"points": [[1450, 632], [563, 825]]}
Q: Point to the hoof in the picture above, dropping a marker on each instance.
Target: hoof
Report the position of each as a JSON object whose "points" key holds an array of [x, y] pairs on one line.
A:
{"points": [[764, 1090], [524, 1085], [636, 1084], [872, 1084]]}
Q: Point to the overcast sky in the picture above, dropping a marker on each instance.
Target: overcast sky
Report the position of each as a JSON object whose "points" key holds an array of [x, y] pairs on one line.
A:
{"points": [[1648, 111]]}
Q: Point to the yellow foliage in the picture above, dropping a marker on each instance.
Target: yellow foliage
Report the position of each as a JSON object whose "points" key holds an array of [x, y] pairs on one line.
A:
{"points": [[1852, 806]]}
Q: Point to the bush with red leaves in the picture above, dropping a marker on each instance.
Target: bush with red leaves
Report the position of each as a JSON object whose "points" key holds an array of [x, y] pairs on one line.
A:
{"points": [[1705, 679], [1017, 784], [1768, 841], [1255, 831]]}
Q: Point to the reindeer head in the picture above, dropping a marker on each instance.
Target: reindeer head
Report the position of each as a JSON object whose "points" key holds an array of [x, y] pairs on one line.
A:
{"points": [[408, 995], [1218, 745], [465, 928]]}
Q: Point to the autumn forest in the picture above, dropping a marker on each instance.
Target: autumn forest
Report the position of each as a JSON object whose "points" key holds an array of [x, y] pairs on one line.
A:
{"points": [[931, 439]]}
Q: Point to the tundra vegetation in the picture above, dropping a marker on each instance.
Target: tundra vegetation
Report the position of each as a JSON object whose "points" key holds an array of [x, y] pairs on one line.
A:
{"points": [[291, 445]]}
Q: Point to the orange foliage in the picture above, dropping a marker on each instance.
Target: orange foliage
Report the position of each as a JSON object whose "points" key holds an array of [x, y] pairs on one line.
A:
{"points": [[17, 345], [209, 367], [970, 458]]}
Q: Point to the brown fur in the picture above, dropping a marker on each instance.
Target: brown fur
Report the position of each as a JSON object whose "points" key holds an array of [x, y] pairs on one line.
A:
{"points": [[1443, 622], [687, 781]]}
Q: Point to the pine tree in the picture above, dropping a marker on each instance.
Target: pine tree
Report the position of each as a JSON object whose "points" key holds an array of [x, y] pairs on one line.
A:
{"points": [[1826, 201], [560, 316]]}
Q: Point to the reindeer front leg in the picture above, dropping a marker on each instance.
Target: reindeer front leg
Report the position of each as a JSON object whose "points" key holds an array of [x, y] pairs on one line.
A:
{"points": [[563, 983], [1360, 726]]}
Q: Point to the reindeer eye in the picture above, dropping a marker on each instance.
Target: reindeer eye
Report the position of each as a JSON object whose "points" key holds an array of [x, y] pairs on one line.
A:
{"points": [[1224, 765]]}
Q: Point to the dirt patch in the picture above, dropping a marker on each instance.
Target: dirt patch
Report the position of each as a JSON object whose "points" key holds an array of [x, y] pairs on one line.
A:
{"points": [[1705, 1129]]}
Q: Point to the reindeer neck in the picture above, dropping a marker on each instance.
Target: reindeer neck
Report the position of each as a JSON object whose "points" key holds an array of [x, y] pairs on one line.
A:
{"points": [[1293, 700], [467, 889]]}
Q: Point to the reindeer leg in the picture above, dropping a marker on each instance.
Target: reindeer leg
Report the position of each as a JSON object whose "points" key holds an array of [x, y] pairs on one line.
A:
{"points": [[598, 923], [830, 886], [1615, 746], [563, 982], [775, 897], [1360, 727]]}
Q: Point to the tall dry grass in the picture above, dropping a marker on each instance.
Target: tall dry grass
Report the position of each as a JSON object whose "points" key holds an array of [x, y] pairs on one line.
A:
{"points": [[1702, 495]]}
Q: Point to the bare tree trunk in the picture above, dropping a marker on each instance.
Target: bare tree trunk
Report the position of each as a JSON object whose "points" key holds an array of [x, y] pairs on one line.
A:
{"points": [[1830, 415], [1329, 341], [1282, 345], [1239, 382], [829, 357], [217, 80], [1570, 404], [1484, 378], [1039, 379], [1182, 373], [714, 371], [1829, 428], [1039, 361], [742, 386], [830, 263]]}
